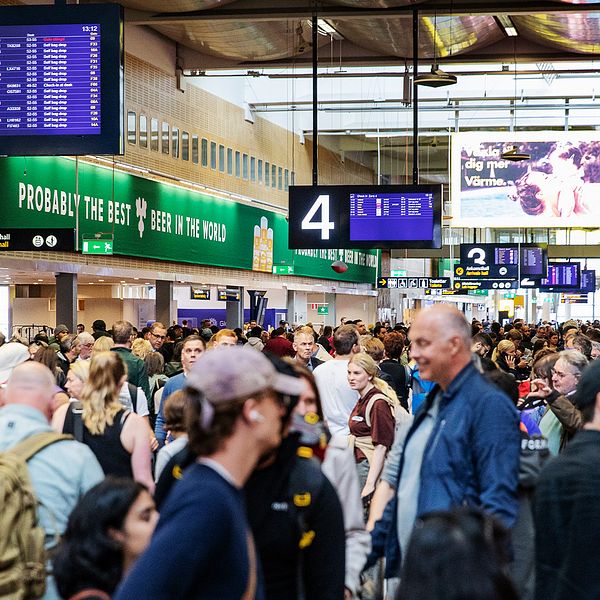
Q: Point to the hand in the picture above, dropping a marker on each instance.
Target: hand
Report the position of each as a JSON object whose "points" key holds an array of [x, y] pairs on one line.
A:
{"points": [[522, 364], [153, 444], [539, 389], [510, 361], [348, 595], [368, 489]]}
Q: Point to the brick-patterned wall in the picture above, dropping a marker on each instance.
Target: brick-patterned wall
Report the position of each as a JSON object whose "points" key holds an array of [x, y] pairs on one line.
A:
{"points": [[151, 91]]}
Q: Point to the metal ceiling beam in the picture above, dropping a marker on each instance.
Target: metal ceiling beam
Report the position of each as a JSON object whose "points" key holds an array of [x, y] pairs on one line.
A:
{"points": [[267, 11]]}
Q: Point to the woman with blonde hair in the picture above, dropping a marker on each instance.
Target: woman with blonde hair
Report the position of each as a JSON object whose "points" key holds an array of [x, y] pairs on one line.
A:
{"points": [[118, 437], [78, 374], [102, 344], [141, 348], [505, 358], [372, 421]]}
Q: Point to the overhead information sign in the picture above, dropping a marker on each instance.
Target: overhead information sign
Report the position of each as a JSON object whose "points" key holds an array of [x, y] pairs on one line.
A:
{"points": [[47, 239], [485, 284], [413, 282], [97, 247], [200, 293], [486, 271], [530, 258]]}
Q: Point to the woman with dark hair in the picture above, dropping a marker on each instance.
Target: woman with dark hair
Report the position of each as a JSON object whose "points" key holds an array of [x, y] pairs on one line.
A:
{"points": [[108, 529], [326, 339], [457, 555], [393, 344]]}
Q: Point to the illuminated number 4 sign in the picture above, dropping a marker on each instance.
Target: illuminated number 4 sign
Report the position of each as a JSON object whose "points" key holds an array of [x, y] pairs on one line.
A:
{"points": [[324, 225]]}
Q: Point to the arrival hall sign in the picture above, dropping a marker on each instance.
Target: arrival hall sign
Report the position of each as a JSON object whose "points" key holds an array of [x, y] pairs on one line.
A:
{"points": [[160, 221]]}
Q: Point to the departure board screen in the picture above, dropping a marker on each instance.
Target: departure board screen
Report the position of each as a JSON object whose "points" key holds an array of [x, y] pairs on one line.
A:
{"points": [[365, 216], [50, 79], [61, 80], [399, 217], [562, 275]]}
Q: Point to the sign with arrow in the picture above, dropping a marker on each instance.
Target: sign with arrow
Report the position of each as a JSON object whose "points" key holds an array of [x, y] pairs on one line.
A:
{"points": [[97, 247], [413, 282]]}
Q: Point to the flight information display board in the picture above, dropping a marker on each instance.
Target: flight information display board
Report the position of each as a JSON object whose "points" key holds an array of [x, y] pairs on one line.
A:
{"points": [[50, 79], [365, 216], [401, 217], [562, 276], [61, 80], [532, 259]]}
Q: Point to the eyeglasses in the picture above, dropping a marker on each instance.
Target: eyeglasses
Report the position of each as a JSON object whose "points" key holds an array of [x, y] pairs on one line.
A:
{"points": [[562, 375], [158, 337]]}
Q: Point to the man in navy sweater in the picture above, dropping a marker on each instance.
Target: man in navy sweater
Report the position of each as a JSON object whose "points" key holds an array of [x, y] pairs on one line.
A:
{"points": [[202, 548]]}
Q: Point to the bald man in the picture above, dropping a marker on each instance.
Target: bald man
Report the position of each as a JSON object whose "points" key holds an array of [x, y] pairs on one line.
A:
{"points": [[462, 447], [61, 472]]}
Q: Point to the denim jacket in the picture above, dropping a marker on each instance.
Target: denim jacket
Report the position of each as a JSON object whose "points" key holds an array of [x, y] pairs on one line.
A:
{"points": [[471, 458]]}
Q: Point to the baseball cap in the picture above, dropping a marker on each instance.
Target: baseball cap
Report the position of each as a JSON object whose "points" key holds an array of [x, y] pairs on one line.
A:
{"points": [[224, 374], [588, 386], [61, 329], [11, 355]]}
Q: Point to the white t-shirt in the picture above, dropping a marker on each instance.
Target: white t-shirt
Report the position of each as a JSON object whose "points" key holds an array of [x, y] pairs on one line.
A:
{"points": [[337, 397], [141, 402]]}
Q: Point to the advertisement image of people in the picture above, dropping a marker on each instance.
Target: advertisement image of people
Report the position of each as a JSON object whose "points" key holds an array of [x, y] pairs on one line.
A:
{"points": [[557, 186]]}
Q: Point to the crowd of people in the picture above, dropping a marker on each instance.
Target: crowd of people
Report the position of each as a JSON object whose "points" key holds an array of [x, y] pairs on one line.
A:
{"points": [[440, 460]]}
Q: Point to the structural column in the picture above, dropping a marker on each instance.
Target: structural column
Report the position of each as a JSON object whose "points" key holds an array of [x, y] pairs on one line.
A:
{"points": [[297, 305], [330, 318], [66, 300], [166, 307], [234, 311]]}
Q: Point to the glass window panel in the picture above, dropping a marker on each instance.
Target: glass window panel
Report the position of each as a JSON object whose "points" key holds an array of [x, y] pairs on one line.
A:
{"points": [[131, 127], [195, 149], [164, 140], [204, 152], [143, 131], [213, 155], [185, 145], [175, 141], [154, 134], [221, 158], [229, 161]]}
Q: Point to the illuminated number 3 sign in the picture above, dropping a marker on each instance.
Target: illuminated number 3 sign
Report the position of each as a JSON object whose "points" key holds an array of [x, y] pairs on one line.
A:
{"points": [[324, 225]]}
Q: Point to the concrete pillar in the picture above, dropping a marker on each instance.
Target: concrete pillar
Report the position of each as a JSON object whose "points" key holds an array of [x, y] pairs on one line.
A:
{"points": [[330, 318], [66, 300], [384, 302], [166, 307], [297, 305], [234, 311]]}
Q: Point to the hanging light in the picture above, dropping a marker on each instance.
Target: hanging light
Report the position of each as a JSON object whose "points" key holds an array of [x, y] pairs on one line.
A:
{"points": [[436, 77], [514, 155]]}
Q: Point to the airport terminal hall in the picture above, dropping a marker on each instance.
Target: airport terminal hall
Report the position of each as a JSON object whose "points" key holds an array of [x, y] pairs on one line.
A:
{"points": [[298, 300]]}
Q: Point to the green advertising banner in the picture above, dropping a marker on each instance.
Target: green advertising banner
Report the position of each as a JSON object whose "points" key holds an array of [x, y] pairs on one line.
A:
{"points": [[150, 219]]}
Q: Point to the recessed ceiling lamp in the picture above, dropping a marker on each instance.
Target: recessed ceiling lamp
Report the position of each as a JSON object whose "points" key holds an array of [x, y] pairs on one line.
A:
{"points": [[436, 77]]}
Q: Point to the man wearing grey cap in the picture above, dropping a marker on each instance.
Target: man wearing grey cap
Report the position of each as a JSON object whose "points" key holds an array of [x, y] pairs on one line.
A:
{"points": [[202, 547], [566, 504]]}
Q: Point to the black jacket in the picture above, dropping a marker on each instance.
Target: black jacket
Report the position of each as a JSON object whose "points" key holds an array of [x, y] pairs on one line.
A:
{"points": [[567, 522]]}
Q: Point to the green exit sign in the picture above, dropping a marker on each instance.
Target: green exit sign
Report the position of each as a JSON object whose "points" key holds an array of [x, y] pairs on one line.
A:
{"points": [[323, 310], [97, 247], [478, 292], [398, 273], [283, 269]]}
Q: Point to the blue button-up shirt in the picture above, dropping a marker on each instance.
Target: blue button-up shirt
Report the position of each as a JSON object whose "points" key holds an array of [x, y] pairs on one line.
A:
{"points": [[60, 473]]}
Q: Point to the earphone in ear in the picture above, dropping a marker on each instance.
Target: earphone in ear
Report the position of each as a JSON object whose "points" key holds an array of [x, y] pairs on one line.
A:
{"points": [[256, 416]]}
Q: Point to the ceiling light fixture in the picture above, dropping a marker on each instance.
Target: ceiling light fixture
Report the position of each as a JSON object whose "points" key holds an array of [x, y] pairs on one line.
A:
{"points": [[328, 29], [505, 23], [514, 155], [436, 77]]}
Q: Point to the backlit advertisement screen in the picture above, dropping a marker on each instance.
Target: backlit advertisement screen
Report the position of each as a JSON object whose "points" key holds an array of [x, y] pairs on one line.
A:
{"points": [[558, 186]]}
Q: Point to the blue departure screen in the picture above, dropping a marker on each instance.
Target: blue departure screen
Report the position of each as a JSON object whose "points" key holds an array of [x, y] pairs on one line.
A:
{"points": [[50, 79], [562, 275], [396, 217]]}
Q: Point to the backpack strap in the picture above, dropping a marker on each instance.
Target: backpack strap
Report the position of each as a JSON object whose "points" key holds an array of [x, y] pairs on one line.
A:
{"points": [[76, 409], [133, 392], [370, 404], [29, 447]]}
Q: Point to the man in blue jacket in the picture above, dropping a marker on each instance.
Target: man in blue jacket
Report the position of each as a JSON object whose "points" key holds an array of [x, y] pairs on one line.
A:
{"points": [[463, 446]]}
